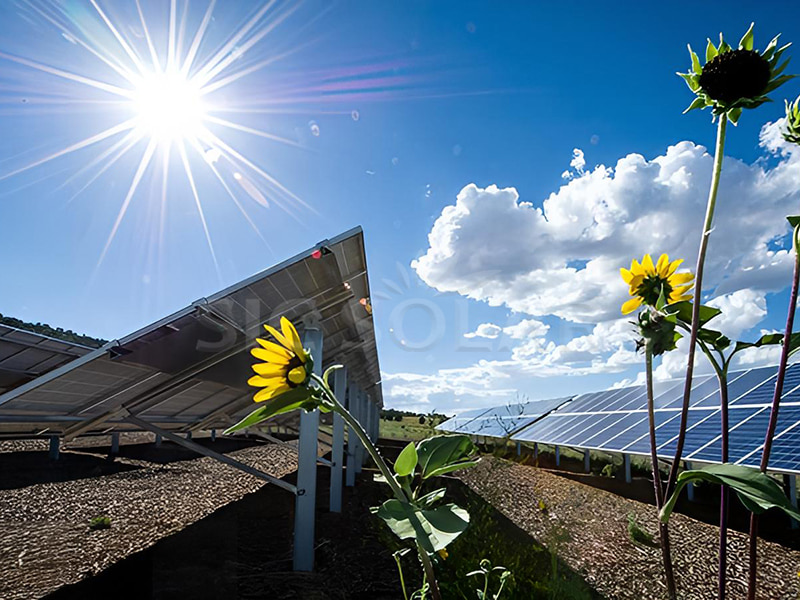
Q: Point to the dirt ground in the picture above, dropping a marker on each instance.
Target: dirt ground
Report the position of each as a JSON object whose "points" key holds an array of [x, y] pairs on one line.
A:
{"points": [[588, 526]]}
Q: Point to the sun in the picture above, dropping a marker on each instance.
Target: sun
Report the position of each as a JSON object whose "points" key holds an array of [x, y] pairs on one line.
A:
{"points": [[168, 107]]}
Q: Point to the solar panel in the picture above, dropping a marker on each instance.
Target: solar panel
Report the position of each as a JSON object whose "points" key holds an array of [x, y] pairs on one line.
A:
{"points": [[189, 370], [455, 423], [617, 421], [503, 421], [24, 355]]}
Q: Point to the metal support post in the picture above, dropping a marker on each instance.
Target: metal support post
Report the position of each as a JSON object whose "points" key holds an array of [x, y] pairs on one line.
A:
{"points": [[626, 461], [558, 456], [337, 452], [305, 502], [587, 467], [55, 443], [690, 487], [213, 435], [519, 449], [351, 437], [115, 443]]}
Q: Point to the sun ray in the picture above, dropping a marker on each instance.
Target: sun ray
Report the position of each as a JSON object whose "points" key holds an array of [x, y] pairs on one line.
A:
{"points": [[131, 140], [231, 43], [77, 146], [171, 36], [250, 130], [188, 169], [223, 64], [107, 87], [122, 42], [148, 154], [215, 141], [148, 39], [233, 197], [201, 31], [119, 68]]}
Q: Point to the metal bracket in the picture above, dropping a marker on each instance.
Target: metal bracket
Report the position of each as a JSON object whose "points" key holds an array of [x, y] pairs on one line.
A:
{"points": [[195, 447]]}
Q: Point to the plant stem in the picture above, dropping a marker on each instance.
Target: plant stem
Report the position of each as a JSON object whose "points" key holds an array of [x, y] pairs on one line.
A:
{"points": [[724, 491], [402, 579], [719, 152], [387, 473], [773, 415], [663, 531]]}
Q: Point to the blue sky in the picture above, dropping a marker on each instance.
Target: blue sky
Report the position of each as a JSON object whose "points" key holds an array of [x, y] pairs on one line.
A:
{"points": [[445, 94]]}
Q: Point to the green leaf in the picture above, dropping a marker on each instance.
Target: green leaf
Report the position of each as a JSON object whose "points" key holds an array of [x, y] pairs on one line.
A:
{"points": [[757, 491], [794, 220], [683, 310], [434, 529], [770, 339], [453, 467], [777, 82], [734, 114], [711, 51], [747, 39], [714, 338], [698, 102], [431, 497], [695, 61], [299, 397], [443, 451], [407, 461], [691, 80], [330, 371]]}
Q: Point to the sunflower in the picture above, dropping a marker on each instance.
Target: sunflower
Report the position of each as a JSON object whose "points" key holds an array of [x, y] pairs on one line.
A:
{"points": [[792, 132], [734, 79], [286, 364], [649, 281]]}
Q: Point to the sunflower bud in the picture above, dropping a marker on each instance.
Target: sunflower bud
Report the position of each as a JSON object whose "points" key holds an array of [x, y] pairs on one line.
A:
{"points": [[735, 75], [792, 132]]}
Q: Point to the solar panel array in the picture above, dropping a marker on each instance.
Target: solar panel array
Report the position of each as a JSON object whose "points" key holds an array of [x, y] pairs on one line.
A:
{"points": [[188, 371], [616, 420], [502, 421], [24, 355]]}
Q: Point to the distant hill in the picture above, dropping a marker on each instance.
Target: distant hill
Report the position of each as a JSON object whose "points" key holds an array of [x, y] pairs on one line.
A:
{"points": [[54, 332]]}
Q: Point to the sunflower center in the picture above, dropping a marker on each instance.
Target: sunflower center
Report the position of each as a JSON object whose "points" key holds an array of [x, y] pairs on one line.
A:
{"points": [[295, 372], [734, 75], [652, 287]]}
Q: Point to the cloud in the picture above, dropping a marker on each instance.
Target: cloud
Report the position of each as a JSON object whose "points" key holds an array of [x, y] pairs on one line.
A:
{"points": [[485, 330], [493, 247], [522, 330]]}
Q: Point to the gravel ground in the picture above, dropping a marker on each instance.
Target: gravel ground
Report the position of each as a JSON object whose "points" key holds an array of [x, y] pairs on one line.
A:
{"points": [[46, 542], [589, 530]]}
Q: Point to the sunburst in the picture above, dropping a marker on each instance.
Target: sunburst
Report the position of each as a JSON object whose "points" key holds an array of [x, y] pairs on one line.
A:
{"points": [[166, 102]]}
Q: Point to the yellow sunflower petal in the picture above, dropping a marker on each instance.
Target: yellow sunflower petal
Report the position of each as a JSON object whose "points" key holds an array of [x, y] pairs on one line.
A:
{"points": [[297, 375], [635, 283], [679, 278], [268, 369], [662, 265], [270, 356], [275, 349], [279, 336], [627, 275], [636, 268], [647, 265], [680, 291], [290, 333], [268, 393], [673, 266], [631, 305], [259, 381]]}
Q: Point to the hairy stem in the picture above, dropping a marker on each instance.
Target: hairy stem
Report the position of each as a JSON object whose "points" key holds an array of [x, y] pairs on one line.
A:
{"points": [[719, 152], [773, 416], [387, 473], [663, 531]]}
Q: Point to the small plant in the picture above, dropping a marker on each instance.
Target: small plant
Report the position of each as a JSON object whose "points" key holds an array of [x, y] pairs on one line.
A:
{"points": [[639, 535], [486, 570], [101, 522], [608, 471]]}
